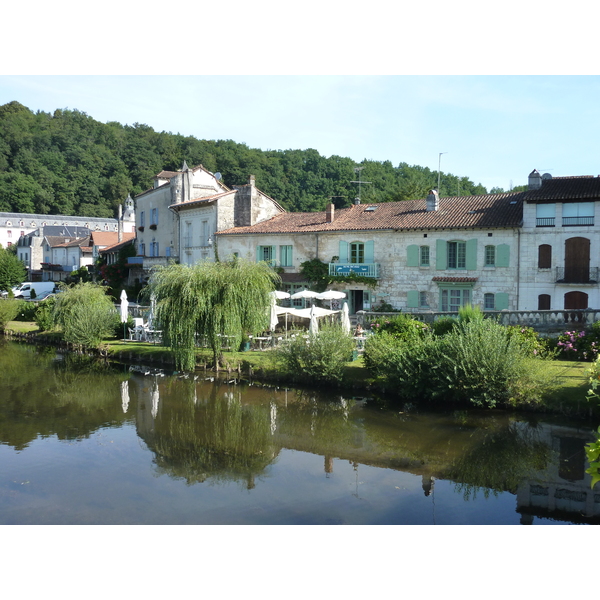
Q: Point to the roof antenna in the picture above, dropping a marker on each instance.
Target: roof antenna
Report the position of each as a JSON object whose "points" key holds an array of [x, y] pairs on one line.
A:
{"points": [[358, 170]]}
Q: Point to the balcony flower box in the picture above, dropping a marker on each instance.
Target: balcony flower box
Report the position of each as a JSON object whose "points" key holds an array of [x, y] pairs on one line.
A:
{"points": [[141, 228], [153, 226]]}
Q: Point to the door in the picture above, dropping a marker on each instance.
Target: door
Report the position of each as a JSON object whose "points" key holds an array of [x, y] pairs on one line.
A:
{"points": [[356, 301], [577, 260], [576, 300]]}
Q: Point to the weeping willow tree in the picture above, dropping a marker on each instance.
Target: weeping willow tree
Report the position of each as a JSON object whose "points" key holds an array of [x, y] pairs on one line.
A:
{"points": [[211, 300]]}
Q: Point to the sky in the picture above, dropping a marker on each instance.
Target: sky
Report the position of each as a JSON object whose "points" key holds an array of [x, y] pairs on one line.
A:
{"points": [[484, 91], [492, 129]]}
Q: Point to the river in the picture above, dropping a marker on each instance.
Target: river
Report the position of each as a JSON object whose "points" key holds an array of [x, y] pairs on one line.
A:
{"points": [[84, 442]]}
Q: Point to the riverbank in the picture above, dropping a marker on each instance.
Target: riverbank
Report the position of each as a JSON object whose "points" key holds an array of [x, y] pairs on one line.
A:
{"points": [[568, 396]]}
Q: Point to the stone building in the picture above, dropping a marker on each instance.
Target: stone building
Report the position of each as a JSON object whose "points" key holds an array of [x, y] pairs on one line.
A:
{"points": [[177, 218], [531, 250]]}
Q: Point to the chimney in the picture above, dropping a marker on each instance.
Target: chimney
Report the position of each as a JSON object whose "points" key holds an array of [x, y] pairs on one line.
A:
{"points": [[252, 181], [330, 214], [120, 224], [433, 201], [535, 180]]}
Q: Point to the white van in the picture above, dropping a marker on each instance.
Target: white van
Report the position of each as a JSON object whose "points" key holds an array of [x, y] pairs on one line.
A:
{"points": [[40, 287]]}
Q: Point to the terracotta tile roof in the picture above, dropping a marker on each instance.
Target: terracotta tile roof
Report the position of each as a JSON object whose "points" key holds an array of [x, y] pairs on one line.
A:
{"points": [[485, 211], [455, 279], [109, 238], [559, 189], [117, 246]]}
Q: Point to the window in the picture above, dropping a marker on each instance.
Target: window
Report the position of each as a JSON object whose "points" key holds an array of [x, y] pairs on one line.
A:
{"points": [[423, 300], [357, 253], [545, 256], [9, 244], [285, 256], [545, 214], [9, 233], [578, 213], [490, 256], [424, 256], [204, 233], [142, 249], [453, 299], [22, 233], [544, 302], [489, 302], [457, 253], [154, 217], [266, 253], [142, 219]]}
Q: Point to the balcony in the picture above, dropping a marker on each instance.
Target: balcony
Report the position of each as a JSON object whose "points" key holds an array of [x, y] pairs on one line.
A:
{"points": [[362, 269], [135, 260], [577, 274], [570, 221], [544, 222]]}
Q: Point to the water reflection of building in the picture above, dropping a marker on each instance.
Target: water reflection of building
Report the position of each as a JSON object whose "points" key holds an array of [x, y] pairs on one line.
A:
{"points": [[563, 490]]}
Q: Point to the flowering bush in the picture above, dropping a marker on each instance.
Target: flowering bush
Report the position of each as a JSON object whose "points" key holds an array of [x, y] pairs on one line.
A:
{"points": [[579, 345], [531, 341]]}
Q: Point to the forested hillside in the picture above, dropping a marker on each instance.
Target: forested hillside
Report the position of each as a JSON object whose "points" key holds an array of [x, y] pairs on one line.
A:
{"points": [[69, 163]]}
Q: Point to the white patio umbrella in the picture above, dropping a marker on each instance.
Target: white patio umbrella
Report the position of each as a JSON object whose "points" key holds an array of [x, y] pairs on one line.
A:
{"points": [[313, 327], [152, 310], [279, 295], [330, 295], [303, 294], [346, 318], [124, 311], [274, 318]]}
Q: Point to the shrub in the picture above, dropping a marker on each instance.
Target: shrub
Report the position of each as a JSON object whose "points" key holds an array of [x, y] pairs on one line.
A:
{"points": [[403, 327], [476, 362], [9, 309], [85, 313], [483, 364], [26, 311], [531, 341], [43, 314], [468, 312], [443, 325], [579, 345], [320, 359]]}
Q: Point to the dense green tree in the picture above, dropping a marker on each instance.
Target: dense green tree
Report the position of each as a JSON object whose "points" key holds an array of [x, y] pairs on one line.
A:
{"points": [[12, 271]]}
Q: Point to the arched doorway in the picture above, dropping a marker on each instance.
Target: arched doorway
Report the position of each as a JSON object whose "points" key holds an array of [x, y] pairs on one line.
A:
{"points": [[576, 300]]}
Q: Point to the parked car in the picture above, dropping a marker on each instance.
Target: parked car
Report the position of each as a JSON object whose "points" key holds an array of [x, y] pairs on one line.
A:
{"points": [[24, 290]]}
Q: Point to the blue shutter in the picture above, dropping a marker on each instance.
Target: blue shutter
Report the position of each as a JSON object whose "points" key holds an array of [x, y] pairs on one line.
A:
{"points": [[412, 255], [502, 255], [471, 258], [440, 255], [412, 299], [369, 251], [343, 252], [501, 301]]}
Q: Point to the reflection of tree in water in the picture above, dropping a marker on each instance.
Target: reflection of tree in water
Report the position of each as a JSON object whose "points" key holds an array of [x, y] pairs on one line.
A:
{"points": [[500, 461], [45, 395], [213, 437]]}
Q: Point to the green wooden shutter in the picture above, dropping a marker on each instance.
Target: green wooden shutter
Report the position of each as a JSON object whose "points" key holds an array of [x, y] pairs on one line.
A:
{"points": [[501, 301], [412, 299], [440, 255], [471, 258], [343, 252], [369, 251], [258, 254], [503, 255], [412, 256]]}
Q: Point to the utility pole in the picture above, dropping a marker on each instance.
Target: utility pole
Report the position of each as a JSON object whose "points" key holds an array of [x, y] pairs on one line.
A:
{"points": [[358, 170]]}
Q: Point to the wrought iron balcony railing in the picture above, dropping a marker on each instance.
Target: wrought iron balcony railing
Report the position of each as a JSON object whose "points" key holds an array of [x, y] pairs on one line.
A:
{"points": [[364, 269], [577, 274]]}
